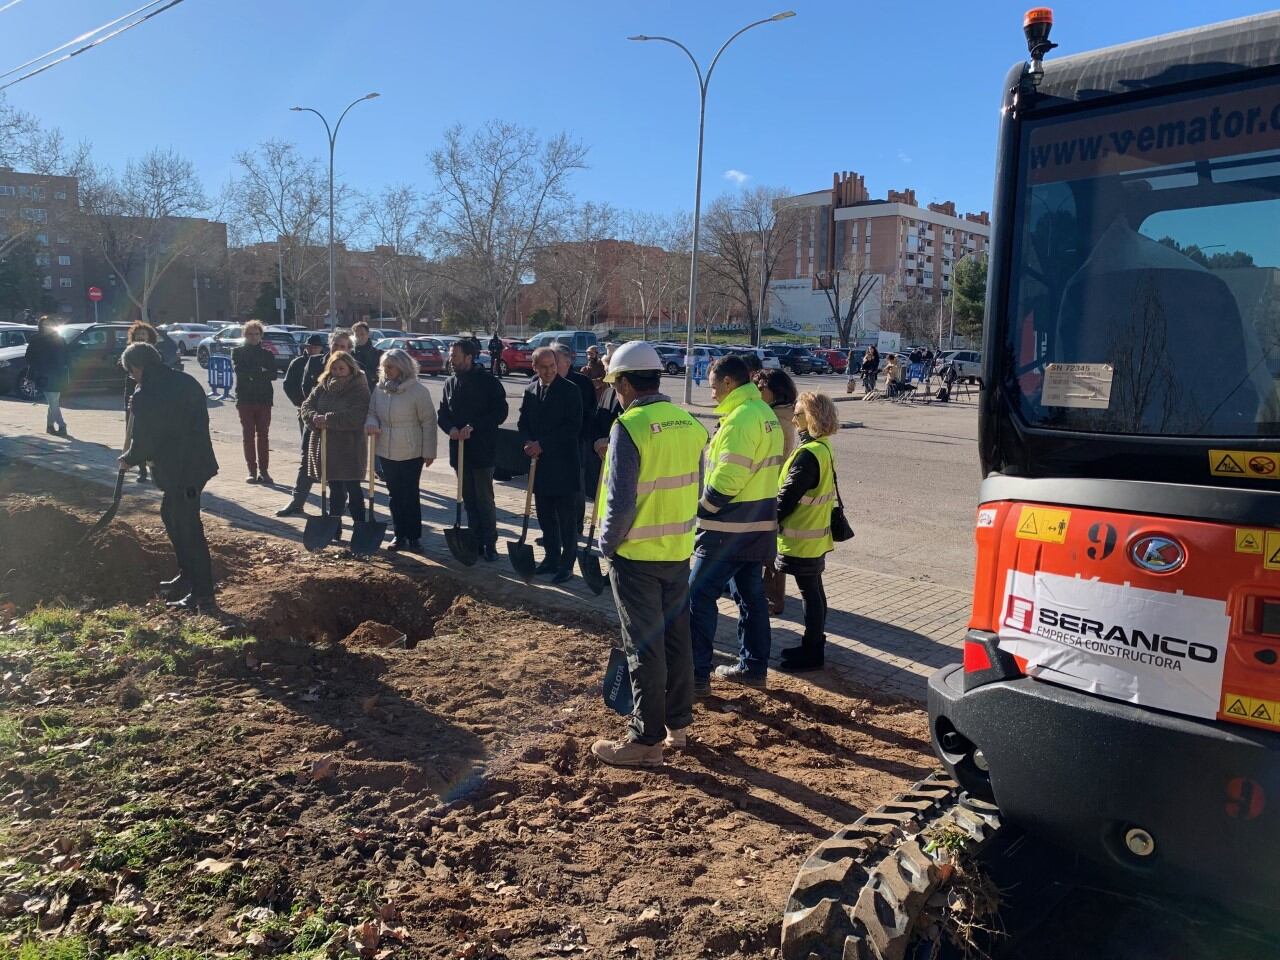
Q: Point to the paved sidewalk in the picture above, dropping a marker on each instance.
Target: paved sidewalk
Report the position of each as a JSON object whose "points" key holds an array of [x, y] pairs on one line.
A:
{"points": [[884, 631]]}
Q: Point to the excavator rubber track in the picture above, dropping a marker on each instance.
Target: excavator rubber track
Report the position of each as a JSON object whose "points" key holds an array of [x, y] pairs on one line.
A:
{"points": [[860, 893]]}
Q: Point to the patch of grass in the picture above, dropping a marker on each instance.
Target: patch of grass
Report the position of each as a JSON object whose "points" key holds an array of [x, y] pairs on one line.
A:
{"points": [[49, 624], [140, 733], [68, 948], [10, 733], [143, 844], [119, 640], [113, 913], [207, 706]]}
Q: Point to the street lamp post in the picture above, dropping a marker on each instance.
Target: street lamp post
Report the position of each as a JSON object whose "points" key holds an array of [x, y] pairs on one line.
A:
{"points": [[333, 137], [703, 81]]}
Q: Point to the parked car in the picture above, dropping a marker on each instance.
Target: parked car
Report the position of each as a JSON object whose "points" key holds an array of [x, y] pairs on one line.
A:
{"points": [[188, 335], [968, 364], [672, 357], [516, 357], [426, 350], [301, 334], [13, 360], [577, 340], [768, 360], [279, 342], [93, 353], [837, 360], [797, 361]]}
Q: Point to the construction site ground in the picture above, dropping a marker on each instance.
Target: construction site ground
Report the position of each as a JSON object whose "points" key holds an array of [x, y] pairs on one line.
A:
{"points": [[373, 757], [389, 757]]}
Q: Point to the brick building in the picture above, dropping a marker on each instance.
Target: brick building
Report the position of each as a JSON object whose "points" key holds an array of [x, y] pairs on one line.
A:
{"points": [[914, 248], [44, 209]]}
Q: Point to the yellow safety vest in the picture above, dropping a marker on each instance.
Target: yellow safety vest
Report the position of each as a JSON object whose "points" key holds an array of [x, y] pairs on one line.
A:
{"points": [[806, 531], [670, 443], [745, 455]]}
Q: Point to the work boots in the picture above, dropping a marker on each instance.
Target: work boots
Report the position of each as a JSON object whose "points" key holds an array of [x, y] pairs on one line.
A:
{"points": [[627, 753]]}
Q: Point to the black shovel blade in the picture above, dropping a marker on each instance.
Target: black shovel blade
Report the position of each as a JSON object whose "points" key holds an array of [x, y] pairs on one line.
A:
{"points": [[617, 684], [592, 575], [112, 510], [367, 537], [521, 555], [462, 544], [319, 532]]}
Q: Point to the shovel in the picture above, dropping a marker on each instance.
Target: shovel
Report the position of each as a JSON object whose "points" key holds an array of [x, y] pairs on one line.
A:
{"points": [[320, 531], [588, 560], [617, 684], [110, 515], [461, 542], [520, 552], [367, 535]]}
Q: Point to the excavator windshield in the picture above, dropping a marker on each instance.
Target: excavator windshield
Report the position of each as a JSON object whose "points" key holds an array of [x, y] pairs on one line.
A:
{"points": [[1144, 292]]}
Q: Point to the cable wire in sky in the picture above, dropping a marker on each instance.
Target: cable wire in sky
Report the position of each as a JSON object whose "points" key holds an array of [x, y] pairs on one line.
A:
{"points": [[11, 3], [87, 46]]}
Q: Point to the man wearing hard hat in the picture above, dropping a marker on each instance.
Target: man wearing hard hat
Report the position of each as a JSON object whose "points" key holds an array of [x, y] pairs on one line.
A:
{"points": [[650, 484]]}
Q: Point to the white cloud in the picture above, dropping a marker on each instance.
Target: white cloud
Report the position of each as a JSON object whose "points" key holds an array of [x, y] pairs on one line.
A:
{"points": [[737, 176], [902, 155]]}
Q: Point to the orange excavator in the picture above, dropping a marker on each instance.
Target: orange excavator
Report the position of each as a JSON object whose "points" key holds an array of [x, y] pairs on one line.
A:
{"points": [[1111, 741]]}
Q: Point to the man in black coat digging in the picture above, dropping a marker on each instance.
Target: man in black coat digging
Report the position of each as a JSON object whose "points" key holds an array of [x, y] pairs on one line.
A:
{"points": [[171, 432], [550, 425]]}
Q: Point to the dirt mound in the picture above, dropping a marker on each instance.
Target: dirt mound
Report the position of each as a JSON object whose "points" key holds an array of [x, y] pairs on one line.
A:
{"points": [[374, 634], [42, 558]]}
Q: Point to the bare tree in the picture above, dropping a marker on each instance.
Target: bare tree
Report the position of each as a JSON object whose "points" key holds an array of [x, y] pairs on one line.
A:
{"points": [[576, 266], [847, 292], [502, 194], [282, 198], [912, 314], [27, 144], [141, 222], [747, 234], [397, 219], [651, 267]]}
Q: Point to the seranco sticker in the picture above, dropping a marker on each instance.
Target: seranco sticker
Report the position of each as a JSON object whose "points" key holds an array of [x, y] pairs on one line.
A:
{"points": [[1160, 650]]}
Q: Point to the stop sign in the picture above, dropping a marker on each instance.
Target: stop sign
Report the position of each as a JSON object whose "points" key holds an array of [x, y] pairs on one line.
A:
{"points": [[95, 294]]}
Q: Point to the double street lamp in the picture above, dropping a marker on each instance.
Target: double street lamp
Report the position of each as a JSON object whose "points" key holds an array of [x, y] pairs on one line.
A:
{"points": [[333, 137], [703, 81]]}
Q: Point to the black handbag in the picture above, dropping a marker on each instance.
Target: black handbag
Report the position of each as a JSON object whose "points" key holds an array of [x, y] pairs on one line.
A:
{"points": [[841, 530]]}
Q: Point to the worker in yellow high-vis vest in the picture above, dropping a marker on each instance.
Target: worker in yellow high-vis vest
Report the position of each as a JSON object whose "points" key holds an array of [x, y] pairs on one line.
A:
{"points": [[649, 499], [805, 501], [737, 527]]}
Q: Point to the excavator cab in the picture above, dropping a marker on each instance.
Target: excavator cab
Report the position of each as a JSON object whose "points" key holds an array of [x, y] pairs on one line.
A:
{"points": [[1119, 695]]}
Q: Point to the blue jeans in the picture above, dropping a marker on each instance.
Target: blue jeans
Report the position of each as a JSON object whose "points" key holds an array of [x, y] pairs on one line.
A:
{"points": [[707, 579]]}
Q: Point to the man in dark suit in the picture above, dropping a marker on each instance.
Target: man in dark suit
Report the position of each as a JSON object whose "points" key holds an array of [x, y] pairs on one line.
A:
{"points": [[171, 432], [550, 425]]}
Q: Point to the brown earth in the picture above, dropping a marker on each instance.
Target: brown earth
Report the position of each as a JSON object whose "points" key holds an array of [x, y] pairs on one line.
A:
{"points": [[428, 796]]}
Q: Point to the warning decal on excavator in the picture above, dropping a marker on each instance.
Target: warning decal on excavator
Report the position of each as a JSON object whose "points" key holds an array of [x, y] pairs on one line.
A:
{"points": [[1251, 708], [1244, 464], [1040, 523], [1271, 550], [1248, 541]]}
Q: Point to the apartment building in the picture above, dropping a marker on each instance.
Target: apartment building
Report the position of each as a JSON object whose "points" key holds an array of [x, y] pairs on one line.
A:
{"points": [[43, 210], [914, 248]]}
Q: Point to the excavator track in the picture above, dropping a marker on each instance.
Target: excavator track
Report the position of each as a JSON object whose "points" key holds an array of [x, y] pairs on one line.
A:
{"points": [[860, 894]]}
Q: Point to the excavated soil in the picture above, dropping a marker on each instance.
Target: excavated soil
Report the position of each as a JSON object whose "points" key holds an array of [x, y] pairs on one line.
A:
{"points": [[377, 762]]}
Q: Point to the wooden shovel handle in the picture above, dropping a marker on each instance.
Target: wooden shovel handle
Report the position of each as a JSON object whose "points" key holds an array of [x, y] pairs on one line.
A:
{"points": [[372, 448], [462, 446], [528, 493]]}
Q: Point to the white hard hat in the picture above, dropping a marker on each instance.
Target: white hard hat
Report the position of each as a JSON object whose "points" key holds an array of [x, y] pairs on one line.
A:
{"points": [[634, 357]]}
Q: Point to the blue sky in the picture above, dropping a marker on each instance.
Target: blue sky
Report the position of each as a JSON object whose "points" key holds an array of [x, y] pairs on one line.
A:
{"points": [[906, 94]]}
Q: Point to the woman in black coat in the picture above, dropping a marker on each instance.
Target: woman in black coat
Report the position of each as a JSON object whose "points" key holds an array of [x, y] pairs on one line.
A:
{"points": [[47, 362]]}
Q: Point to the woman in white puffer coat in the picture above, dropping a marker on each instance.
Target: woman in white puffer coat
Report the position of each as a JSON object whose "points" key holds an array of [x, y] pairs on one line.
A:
{"points": [[403, 418]]}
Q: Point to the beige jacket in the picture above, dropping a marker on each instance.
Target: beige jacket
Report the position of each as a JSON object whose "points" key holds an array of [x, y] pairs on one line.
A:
{"points": [[407, 419]]}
